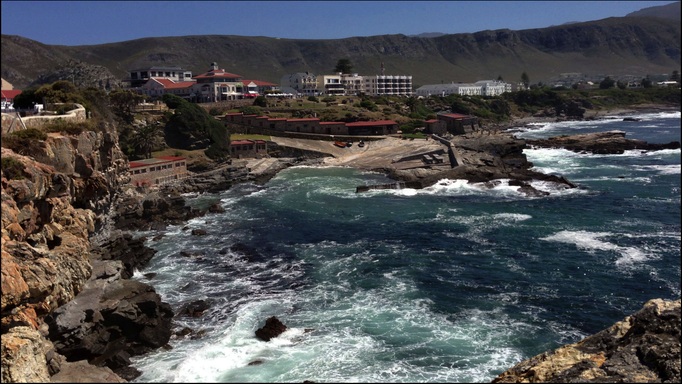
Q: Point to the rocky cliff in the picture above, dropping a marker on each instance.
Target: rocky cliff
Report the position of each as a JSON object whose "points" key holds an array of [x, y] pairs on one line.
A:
{"points": [[643, 348], [52, 204], [615, 46]]}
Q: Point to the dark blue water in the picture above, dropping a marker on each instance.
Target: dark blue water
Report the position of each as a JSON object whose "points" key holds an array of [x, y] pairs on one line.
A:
{"points": [[452, 283]]}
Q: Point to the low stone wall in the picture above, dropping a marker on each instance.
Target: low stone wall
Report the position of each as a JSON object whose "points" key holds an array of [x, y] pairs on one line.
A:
{"points": [[241, 129], [9, 124]]}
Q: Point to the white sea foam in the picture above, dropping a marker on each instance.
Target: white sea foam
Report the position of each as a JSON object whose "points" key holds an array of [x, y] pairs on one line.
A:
{"points": [[590, 242]]}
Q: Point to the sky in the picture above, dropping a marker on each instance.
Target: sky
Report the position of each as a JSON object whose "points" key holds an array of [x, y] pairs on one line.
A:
{"points": [[100, 22]]}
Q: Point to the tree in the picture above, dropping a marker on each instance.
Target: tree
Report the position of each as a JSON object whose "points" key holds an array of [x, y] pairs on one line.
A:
{"points": [[621, 84], [525, 79], [499, 78], [646, 83], [260, 101], [675, 76], [172, 101], [26, 99], [343, 66], [146, 138], [412, 103], [123, 103], [607, 83]]}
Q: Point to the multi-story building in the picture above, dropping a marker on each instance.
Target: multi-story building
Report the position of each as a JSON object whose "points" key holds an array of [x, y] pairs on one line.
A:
{"points": [[437, 89], [138, 77], [158, 87], [304, 83], [492, 87], [388, 85], [331, 85], [157, 170], [218, 85], [353, 83]]}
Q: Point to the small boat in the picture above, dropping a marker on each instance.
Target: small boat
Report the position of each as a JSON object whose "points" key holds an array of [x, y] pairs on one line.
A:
{"points": [[349, 144], [340, 144], [361, 144]]}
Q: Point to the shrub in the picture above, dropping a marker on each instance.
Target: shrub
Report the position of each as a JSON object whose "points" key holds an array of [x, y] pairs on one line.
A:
{"points": [[313, 98], [329, 99], [12, 168], [250, 110], [260, 101], [215, 111], [70, 127], [172, 101], [30, 134]]}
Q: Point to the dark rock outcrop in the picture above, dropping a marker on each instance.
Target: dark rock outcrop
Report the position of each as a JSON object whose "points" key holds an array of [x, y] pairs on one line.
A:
{"points": [[132, 252], [112, 320], [272, 328], [610, 142], [645, 347], [153, 212]]}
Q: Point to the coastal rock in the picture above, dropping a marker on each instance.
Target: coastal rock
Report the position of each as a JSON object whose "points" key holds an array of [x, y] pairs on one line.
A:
{"points": [[272, 328], [645, 347], [132, 252], [153, 211], [112, 319], [23, 357], [82, 372], [194, 309], [610, 142]]}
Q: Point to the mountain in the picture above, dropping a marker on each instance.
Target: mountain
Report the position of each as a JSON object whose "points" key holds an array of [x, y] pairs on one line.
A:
{"points": [[614, 46], [668, 11], [428, 34]]}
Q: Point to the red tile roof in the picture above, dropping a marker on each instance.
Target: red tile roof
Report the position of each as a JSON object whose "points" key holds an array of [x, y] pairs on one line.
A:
{"points": [[308, 119], [277, 119], [11, 94], [234, 113], [155, 161], [371, 123], [216, 73], [332, 122], [263, 117], [257, 82], [246, 142], [431, 121], [455, 115]]}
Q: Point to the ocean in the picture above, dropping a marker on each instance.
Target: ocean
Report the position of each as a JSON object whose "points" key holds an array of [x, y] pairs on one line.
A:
{"points": [[452, 283]]}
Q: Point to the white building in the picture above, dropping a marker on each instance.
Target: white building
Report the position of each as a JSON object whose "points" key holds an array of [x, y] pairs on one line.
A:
{"points": [[353, 83], [437, 89], [492, 87], [138, 77], [388, 85], [331, 85], [304, 83]]}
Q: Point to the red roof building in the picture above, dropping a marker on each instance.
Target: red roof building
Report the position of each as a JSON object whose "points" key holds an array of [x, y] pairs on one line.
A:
{"points": [[157, 170], [8, 96]]}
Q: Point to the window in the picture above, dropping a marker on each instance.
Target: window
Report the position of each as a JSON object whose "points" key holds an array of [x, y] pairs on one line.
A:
{"points": [[232, 149], [170, 166], [167, 74], [153, 73], [143, 75], [133, 75], [143, 171], [137, 172]]}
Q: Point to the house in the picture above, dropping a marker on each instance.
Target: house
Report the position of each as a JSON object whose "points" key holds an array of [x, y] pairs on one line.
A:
{"points": [[218, 85], [158, 87], [157, 170], [257, 87], [331, 85], [435, 127], [381, 127], [138, 77], [6, 85], [8, 96], [458, 124], [304, 83], [353, 84], [254, 149], [493, 87]]}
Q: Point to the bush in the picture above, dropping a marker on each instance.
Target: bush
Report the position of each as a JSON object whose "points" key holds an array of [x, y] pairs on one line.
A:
{"points": [[329, 99], [70, 127], [172, 101], [215, 111], [26, 99], [313, 98], [260, 101], [30, 134], [12, 168], [250, 110]]}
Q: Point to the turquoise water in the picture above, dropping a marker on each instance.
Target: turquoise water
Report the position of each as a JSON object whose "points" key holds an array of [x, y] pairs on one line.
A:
{"points": [[453, 283]]}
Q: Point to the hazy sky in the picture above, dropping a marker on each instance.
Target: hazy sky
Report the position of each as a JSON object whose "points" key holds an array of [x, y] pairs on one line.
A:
{"points": [[99, 22]]}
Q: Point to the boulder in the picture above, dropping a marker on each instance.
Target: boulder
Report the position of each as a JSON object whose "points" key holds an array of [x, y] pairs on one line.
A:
{"points": [[132, 252], [23, 357], [82, 372], [645, 347], [216, 208], [273, 328], [199, 232]]}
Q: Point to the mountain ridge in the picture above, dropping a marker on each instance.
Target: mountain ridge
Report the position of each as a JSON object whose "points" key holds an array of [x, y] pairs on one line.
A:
{"points": [[632, 45]]}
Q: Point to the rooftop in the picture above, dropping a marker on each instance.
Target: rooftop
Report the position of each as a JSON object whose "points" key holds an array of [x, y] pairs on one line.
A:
{"points": [[371, 123], [154, 160]]}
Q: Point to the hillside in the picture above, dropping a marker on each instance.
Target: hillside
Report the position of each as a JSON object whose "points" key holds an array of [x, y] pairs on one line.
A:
{"points": [[615, 46], [669, 11]]}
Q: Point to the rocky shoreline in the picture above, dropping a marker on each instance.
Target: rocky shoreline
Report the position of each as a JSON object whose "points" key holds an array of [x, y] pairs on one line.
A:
{"points": [[69, 308]]}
